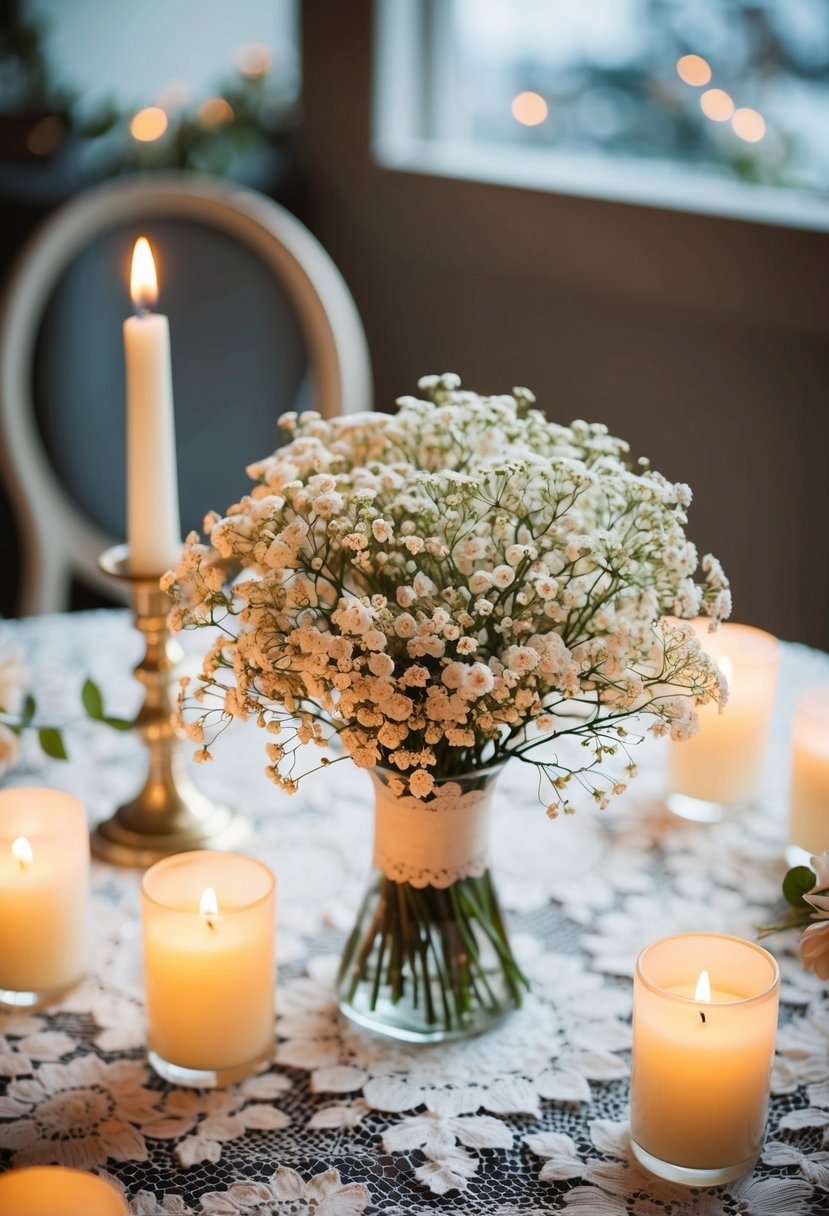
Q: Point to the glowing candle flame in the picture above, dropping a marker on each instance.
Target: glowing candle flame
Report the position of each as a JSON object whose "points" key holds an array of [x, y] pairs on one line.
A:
{"points": [[703, 990], [727, 668], [143, 280], [209, 905], [22, 852]]}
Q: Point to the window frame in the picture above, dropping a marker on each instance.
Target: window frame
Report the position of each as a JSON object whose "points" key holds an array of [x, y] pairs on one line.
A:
{"points": [[413, 132]]}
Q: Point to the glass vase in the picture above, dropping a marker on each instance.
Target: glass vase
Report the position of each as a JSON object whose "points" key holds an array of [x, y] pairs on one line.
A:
{"points": [[429, 958]]}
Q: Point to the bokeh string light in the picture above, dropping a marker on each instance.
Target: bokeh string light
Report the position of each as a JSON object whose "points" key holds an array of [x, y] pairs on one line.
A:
{"points": [[529, 109], [748, 124], [148, 124], [718, 105], [693, 70]]}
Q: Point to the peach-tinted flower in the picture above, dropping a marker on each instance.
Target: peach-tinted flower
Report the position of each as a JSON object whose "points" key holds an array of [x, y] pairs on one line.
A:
{"points": [[814, 948]]}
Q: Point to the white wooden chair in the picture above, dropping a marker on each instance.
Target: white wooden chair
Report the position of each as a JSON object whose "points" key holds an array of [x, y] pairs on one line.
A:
{"points": [[58, 538]]}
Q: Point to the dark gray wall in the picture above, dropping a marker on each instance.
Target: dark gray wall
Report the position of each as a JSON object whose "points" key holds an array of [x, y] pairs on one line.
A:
{"points": [[702, 340]]}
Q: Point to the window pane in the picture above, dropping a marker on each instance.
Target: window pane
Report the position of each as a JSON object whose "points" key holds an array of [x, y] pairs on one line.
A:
{"points": [[737, 89]]}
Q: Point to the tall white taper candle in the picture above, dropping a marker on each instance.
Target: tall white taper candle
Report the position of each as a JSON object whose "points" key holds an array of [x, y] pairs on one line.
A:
{"points": [[153, 525]]}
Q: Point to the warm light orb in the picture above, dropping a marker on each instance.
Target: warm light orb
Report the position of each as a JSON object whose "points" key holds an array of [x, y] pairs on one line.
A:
{"points": [[22, 852], [143, 280], [693, 69], [703, 990], [254, 60], [748, 124], [529, 109], [209, 904], [215, 112], [717, 105], [148, 124]]}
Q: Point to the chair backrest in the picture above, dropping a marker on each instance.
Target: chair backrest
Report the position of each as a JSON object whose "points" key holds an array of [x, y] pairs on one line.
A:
{"points": [[266, 301]]}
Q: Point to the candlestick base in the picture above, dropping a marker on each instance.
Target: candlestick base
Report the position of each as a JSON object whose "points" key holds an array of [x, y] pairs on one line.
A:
{"points": [[135, 834], [169, 815], [206, 1078], [697, 810], [686, 1176]]}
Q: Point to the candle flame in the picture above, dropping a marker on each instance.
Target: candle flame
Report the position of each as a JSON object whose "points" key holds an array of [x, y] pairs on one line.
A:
{"points": [[143, 280], [727, 668], [703, 992], [22, 852], [209, 905]]}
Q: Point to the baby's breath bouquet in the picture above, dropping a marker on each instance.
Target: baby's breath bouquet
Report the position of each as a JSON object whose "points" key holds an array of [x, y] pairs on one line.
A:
{"points": [[431, 593]]}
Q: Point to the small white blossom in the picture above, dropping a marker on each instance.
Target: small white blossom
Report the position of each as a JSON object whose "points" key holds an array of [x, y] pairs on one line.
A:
{"points": [[503, 577], [382, 530], [477, 680], [480, 582]]}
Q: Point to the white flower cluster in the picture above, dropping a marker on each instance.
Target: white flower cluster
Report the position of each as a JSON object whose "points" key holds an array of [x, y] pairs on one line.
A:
{"points": [[447, 586]]}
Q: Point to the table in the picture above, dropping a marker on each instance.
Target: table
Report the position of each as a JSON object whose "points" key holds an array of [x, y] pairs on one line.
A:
{"points": [[530, 1118]]}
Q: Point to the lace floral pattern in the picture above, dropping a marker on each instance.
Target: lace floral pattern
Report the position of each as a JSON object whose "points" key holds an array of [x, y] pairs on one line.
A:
{"points": [[529, 1118]]}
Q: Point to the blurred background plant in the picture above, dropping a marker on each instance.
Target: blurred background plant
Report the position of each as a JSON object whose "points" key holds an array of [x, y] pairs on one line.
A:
{"points": [[230, 129]]}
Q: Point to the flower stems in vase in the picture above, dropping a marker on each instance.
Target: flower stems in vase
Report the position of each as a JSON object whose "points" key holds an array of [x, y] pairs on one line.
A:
{"points": [[437, 961]]}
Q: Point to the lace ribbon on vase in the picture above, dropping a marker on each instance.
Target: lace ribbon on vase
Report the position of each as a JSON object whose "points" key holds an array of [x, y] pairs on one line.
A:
{"points": [[434, 843]]}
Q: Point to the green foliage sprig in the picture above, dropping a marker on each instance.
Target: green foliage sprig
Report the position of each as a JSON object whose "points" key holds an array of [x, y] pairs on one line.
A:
{"points": [[51, 737]]}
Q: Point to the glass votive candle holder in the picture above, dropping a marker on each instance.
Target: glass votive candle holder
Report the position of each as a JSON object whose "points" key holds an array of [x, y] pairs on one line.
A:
{"points": [[44, 886], [704, 1023], [209, 967], [809, 797], [51, 1190], [721, 766]]}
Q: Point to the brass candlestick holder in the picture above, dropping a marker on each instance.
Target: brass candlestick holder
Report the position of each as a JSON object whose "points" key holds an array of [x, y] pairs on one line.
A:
{"points": [[169, 815]]}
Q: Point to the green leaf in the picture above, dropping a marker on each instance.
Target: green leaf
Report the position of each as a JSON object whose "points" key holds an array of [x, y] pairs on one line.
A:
{"points": [[796, 884], [29, 710], [51, 741], [93, 702], [118, 723]]}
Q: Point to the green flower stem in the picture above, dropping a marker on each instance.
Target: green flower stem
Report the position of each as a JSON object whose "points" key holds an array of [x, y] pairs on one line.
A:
{"points": [[445, 951], [406, 933]]}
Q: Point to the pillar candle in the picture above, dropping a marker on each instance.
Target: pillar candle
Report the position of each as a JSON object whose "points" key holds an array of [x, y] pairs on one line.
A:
{"points": [[809, 805], [209, 927], [44, 880], [723, 762], [48, 1190], [704, 1022], [153, 525]]}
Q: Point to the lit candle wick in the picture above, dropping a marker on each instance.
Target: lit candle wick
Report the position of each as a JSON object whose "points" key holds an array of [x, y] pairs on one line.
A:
{"points": [[209, 906], [143, 278], [703, 992], [22, 853]]}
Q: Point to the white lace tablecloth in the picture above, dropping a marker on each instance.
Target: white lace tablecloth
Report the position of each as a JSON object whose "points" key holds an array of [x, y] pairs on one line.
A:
{"points": [[530, 1118]]}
